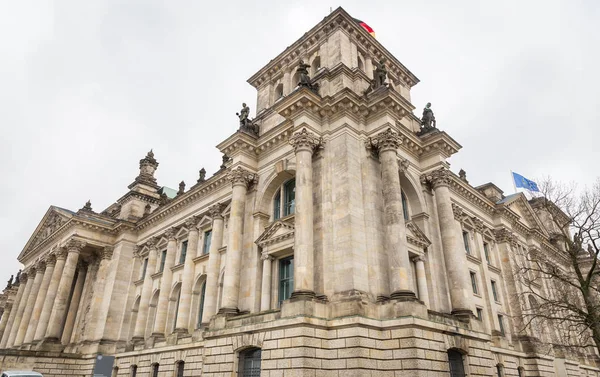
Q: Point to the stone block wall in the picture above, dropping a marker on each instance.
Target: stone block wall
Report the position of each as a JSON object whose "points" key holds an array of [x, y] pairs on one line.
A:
{"points": [[50, 365]]}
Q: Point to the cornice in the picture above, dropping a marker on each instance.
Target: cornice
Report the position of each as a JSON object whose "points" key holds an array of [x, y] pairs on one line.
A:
{"points": [[465, 191]]}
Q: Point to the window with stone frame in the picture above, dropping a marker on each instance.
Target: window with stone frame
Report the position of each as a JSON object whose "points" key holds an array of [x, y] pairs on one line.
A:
{"points": [[206, 242], [180, 368], [486, 252], [249, 363], [501, 324], [405, 206], [499, 370], [286, 278], [183, 252], [144, 268], [474, 282], [480, 314], [284, 202], [163, 258], [201, 306], [133, 371], [465, 235], [456, 364], [155, 369], [495, 291]]}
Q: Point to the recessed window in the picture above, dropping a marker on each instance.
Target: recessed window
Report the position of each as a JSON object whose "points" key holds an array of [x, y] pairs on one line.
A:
{"points": [[457, 367], [480, 314], [201, 308], [466, 242], [486, 251], [495, 291], [163, 258], [501, 324], [520, 371], [284, 202], [180, 368], [183, 253], [278, 92], [207, 241], [155, 369], [474, 282], [499, 370], [176, 308], [144, 268], [286, 278], [249, 363], [133, 371], [404, 206]]}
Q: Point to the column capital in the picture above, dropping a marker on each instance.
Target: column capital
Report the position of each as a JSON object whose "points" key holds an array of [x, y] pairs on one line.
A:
{"points": [[74, 245], [151, 243], [387, 140], [41, 265], [107, 253], [61, 253], [504, 235], [170, 234], [436, 178], [479, 227], [241, 177], [8, 306], [304, 140], [216, 211], [265, 256], [191, 224], [23, 277], [418, 258], [457, 211], [50, 260]]}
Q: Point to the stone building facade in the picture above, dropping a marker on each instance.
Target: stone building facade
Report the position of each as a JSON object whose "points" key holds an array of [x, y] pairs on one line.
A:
{"points": [[333, 241]]}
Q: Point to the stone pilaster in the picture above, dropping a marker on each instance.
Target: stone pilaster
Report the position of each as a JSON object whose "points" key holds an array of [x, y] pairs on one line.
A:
{"points": [[97, 307], [265, 297], [160, 323], [26, 282], [74, 305], [422, 280], [304, 143], [37, 282], [214, 261], [59, 310], [454, 253], [386, 145], [185, 300], [50, 262], [142, 316], [61, 257], [240, 179]]}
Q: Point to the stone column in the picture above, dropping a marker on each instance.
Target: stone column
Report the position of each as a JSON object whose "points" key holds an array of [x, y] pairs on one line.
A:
{"points": [[39, 301], [422, 279], [11, 319], [142, 316], [240, 179], [386, 144], [265, 297], [454, 253], [160, 323], [185, 301], [5, 317], [96, 308], [304, 144], [40, 331], [37, 282], [74, 305], [214, 263], [59, 310], [26, 282]]}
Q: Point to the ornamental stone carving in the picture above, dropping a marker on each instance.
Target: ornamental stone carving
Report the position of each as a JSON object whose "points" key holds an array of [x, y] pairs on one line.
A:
{"points": [[242, 177], [74, 245], [436, 178], [191, 223], [504, 235], [266, 257], [403, 165], [216, 211], [41, 265], [479, 227], [61, 253], [457, 211], [50, 260], [384, 141], [23, 277], [304, 140], [107, 253], [170, 233], [418, 258], [151, 243]]}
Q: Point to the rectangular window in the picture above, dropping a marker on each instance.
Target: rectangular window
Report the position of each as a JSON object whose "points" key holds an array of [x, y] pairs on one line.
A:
{"points": [[474, 282], [144, 268], [501, 324], [486, 250], [155, 370], [289, 197], [134, 370], [277, 206], [207, 241], [466, 242], [495, 291], [163, 258], [286, 278], [480, 314], [183, 252]]}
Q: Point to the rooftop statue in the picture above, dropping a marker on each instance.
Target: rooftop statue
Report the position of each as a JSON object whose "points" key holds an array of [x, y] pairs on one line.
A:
{"points": [[245, 123], [304, 78], [18, 278], [380, 74], [202, 175], [10, 282], [428, 123]]}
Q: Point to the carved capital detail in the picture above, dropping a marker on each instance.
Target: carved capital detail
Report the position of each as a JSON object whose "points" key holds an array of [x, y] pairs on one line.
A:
{"points": [[61, 253], [41, 265], [265, 256], [305, 140], [23, 277], [479, 227], [457, 211], [387, 140], [241, 176], [151, 243], [170, 234], [403, 165], [191, 224], [418, 258], [50, 260], [216, 211], [107, 253], [504, 235], [436, 178], [74, 246]]}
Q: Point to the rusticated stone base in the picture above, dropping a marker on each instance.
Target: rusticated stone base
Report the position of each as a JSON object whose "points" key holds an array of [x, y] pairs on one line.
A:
{"points": [[302, 295], [403, 296]]}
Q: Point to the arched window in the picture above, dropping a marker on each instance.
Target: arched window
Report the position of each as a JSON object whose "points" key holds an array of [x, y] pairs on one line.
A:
{"points": [[457, 368], [133, 371], [284, 202], [499, 370], [361, 64], [404, 206], [249, 363], [201, 305], [316, 65], [180, 365], [278, 91], [176, 309], [155, 369]]}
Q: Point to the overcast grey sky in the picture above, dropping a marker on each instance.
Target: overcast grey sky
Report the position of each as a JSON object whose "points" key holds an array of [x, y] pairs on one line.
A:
{"points": [[88, 87]]}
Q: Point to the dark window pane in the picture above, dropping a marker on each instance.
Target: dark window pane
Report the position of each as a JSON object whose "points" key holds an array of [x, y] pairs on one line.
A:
{"points": [[457, 368], [466, 242], [501, 323], [201, 308], [286, 278], [289, 192], [486, 250], [145, 268], [250, 363], [183, 252], [277, 206], [404, 207], [207, 241], [494, 291], [180, 367], [134, 370], [163, 257], [474, 282], [154, 370]]}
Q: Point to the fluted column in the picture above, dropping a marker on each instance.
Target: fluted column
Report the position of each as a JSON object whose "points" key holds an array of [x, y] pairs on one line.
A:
{"points": [[240, 179], [40, 331], [97, 307], [214, 263], [11, 318], [422, 279], [37, 282], [304, 144], [50, 261], [59, 310], [160, 323], [386, 144], [187, 281], [142, 316], [74, 305], [27, 282], [265, 297], [454, 252], [5, 317]]}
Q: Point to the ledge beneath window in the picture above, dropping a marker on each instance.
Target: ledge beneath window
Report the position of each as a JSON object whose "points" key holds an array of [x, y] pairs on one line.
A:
{"points": [[200, 258], [156, 275], [473, 259], [177, 267], [494, 269], [139, 282]]}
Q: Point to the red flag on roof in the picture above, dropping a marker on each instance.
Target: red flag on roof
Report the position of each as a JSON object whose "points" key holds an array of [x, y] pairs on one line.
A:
{"points": [[366, 27]]}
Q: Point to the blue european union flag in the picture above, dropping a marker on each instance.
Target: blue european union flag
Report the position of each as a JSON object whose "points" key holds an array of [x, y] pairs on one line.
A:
{"points": [[525, 183]]}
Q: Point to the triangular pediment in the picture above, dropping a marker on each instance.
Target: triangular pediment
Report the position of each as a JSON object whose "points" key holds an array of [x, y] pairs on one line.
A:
{"points": [[416, 236], [527, 215], [54, 220], [278, 231]]}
